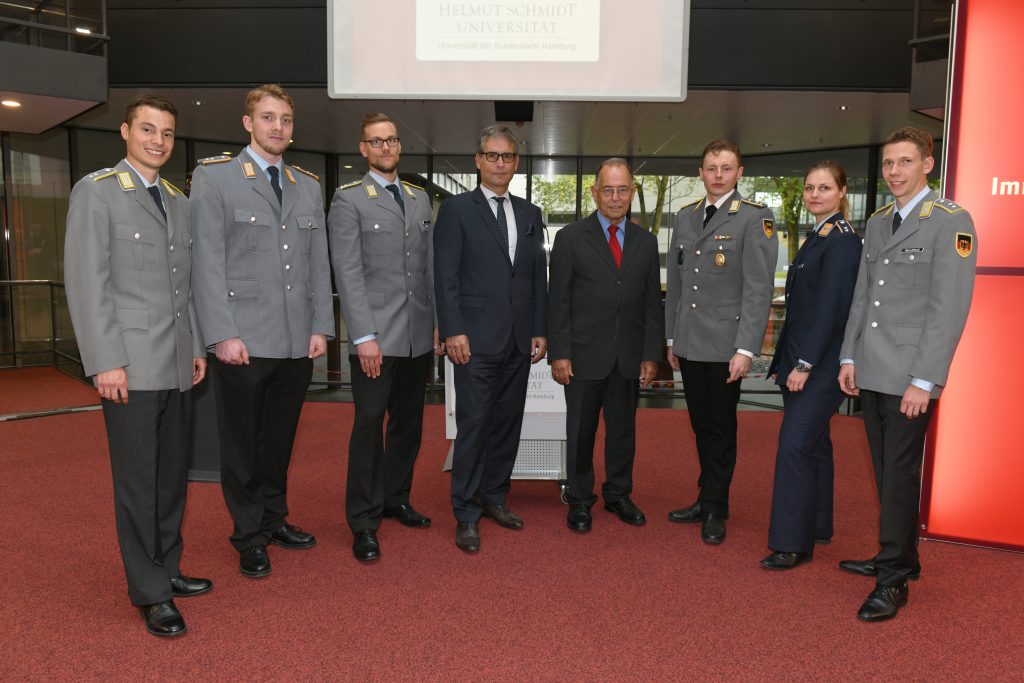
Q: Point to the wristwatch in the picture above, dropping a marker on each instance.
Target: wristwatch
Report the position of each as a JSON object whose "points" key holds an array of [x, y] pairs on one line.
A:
{"points": [[802, 367]]}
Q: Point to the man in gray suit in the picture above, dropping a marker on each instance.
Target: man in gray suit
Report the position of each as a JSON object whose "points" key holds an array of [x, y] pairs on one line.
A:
{"points": [[381, 248], [909, 308], [263, 295], [127, 274], [721, 273]]}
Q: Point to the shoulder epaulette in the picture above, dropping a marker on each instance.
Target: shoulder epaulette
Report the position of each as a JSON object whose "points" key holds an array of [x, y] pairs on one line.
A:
{"points": [[948, 206], [844, 227], [101, 174], [753, 203], [312, 175], [171, 189], [408, 184], [884, 208], [695, 201], [354, 183], [219, 159]]}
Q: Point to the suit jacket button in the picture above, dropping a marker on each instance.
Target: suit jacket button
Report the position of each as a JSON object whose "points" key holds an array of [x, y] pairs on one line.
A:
{"points": [[178, 314], [284, 227], [376, 226], [881, 283], [289, 288], [911, 257], [874, 324], [693, 305], [252, 219], [695, 288], [137, 236], [878, 303], [172, 247], [230, 293], [287, 266], [697, 252], [885, 261], [285, 247]]}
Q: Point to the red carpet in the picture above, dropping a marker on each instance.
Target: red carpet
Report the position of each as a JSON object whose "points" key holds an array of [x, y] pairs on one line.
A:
{"points": [[27, 390], [622, 603]]}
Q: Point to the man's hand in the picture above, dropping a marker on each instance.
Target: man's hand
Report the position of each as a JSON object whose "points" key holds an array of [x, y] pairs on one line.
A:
{"points": [[848, 380], [796, 380], [370, 358], [561, 370], [113, 385], [438, 344], [458, 349], [739, 366], [198, 370], [673, 359], [317, 345], [539, 346], [232, 351], [915, 402], [648, 371]]}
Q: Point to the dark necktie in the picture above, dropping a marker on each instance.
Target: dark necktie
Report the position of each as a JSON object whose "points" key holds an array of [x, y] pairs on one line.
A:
{"points": [[896, 220], [502, 222], [397, 194], [154, 192], [710, 211], [613, 244], [275, 181]]}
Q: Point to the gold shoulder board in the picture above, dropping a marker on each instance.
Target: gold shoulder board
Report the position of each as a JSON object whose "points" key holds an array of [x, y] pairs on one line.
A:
{"points": [[885, 208], [354, 183], [312, 175], [214, 160], [753, 203], [171, 189], [100, 175]]}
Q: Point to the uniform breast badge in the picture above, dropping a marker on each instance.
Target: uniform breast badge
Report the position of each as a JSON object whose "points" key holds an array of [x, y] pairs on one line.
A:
{"points": [[719, 259]]}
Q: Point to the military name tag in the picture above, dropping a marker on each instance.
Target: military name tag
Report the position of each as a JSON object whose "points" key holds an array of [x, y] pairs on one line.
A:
{"points": [[768, 225], [719, 259], [964, 244]]}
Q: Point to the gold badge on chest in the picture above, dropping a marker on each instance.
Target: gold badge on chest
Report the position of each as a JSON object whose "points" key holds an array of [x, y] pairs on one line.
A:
{"points": [[719, 259]]}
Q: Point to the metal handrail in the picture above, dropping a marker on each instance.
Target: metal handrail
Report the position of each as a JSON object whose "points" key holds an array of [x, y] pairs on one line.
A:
{"points": [[52, 286]]}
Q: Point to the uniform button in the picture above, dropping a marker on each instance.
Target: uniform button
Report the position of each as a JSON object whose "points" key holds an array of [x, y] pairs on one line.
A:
{"points": [[230, 293], [874, 324], [885, 261], [408, 274], [252, 219], [289, 288], [174, 269], [285, 247], [406, 233], [696, 270], [287, 266], [176, 292], [178, 314], [881, 283], [911, 257], [309, 224], [172, 247], [737, 317], [720, 247], [878, 303], [190, 241], [284, 227], [410, 292], [408, 253], [697, 252], [693, 305], [376, 226], [695, 288], [137, 235]]}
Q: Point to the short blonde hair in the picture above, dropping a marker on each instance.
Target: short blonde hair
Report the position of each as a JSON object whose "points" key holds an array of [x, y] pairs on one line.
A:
{"points": [[267, 90]]}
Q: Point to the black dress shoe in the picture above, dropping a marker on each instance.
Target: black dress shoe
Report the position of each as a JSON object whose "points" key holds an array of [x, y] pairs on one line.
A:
{"points": [[867, 568], [579, 518], [785, 560], [186, 586], [690, 514], [366, 548], [407, 516], [292, 537], [712, 528], [884, 602], [163, 619], [627, 511], [254, 562], [467, 536], [503, 516]]}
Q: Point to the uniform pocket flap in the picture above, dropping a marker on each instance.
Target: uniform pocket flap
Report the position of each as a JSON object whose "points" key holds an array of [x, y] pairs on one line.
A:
{"points": [[242, 289], [133, 318], [305, 222], [253, 217], [132, 233]]}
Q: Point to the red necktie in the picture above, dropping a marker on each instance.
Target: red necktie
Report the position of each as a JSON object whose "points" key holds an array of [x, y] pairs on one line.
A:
{"points": [[613, 244]]}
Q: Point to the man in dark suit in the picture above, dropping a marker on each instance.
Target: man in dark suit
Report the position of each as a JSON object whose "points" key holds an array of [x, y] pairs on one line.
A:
{"points": [[721, 273], [605, 331], [909, 309], [128, 272], [382, 254], [263, 295], [491, 292]]}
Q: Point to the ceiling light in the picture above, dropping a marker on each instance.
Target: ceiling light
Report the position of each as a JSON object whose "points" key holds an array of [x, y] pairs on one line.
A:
{"points": [[13, 104], [843, 107], [83, 30], [766, 145], [347, 166], [198, 103]]}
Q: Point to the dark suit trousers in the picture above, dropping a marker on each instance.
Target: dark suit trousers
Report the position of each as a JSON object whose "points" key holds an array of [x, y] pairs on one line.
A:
{"points": [[712, 407], [897, 448], [149, 441], [380, 469], [258, 407], [804, 471], [490, 397], [584, 401]]}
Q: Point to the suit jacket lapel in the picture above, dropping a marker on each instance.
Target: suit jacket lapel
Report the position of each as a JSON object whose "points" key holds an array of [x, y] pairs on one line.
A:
{"points": [[386, 199], [631, 231], [289, 192], [260, 182], [142, 195], [910, 225], [483, 207]]}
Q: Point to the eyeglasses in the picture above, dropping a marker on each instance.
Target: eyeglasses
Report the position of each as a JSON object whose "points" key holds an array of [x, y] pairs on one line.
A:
{"points": [[377, 143], [507, 157], [622, 191]]}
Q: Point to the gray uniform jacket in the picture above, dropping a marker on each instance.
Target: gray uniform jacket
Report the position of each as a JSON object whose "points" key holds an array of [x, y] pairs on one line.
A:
{"points": [[720, 280], [127, 276], [912, 296], [262, 269], [384, 266]]}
